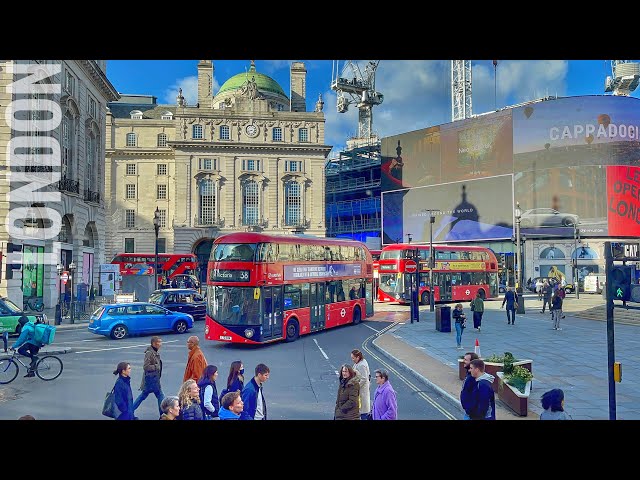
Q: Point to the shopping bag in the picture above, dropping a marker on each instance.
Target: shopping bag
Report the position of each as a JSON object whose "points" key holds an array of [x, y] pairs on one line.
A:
{"points": [[110, 409]]}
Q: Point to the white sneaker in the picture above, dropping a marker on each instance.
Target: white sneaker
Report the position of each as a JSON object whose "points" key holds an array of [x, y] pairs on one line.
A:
{"points": [[558, 329]]}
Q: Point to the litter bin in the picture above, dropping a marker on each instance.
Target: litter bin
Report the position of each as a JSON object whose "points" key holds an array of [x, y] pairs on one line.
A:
{"points": [[520, 309], [443, 318]]}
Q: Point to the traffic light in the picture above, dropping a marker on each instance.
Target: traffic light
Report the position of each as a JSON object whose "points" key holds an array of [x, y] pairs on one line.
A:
{"points": [[619, 282]]}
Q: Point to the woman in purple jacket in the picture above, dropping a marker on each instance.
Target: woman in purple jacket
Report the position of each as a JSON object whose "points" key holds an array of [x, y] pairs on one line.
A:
{"points": [[385, 403]]}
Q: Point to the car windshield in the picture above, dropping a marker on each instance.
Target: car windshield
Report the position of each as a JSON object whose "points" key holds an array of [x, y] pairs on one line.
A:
{"points": [[155, 298], [12, 306]]}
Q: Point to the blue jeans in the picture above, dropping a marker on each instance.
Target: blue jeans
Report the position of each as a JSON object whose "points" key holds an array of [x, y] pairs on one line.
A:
{"points": [[145, 393], [511, 315], [458, 333]]}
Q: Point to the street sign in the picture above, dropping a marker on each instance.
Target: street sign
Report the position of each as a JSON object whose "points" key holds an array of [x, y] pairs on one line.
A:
{"points": [[620, 251], [64, 276], [376, 265], [410, 266]]}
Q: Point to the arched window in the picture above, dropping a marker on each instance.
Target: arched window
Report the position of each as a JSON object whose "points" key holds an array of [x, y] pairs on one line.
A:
{"points": [[585, 252], [250, 203], [88, 240], [136, 115], [293, 204], [207, 202], [167, 116], [91, 170], [131, 139], [551, 253], [162, 139]]}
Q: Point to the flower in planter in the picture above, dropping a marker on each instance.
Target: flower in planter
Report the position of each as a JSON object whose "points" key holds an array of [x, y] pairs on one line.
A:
{"points": [[507, 357], [518, 377]]}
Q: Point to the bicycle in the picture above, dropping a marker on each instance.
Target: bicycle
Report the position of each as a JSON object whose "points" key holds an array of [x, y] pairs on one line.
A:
{"points": [[48, 367], [34, 303]]}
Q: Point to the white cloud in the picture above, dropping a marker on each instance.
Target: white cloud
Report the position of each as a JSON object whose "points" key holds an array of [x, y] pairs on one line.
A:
{"points": [[189, 87]]}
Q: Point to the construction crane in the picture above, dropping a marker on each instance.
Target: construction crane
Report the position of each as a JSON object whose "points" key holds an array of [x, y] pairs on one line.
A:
{"points": [[460, 89], [354, 86], [624, 79]]}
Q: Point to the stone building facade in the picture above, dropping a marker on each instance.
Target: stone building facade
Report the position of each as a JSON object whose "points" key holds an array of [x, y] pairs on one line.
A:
{"points": [[249, 158], [52, 184]]}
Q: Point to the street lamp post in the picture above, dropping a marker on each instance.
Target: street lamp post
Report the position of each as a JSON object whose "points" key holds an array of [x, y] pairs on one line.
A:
{"points": [[518, 214], [432, 257], [72, 268], [156, 226], [576, 279]]}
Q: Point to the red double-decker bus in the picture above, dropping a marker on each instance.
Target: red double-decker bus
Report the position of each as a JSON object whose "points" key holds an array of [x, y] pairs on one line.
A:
{"points": [[263, 288], [459, 273], [169, 264]]}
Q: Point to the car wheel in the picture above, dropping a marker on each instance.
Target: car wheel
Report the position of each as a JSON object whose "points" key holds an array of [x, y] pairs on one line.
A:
{"points": [[568, 222], [119, 332], [292, 331], [181, 326]]}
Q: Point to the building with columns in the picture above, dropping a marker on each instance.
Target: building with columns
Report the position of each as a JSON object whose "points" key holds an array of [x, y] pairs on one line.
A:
{"points": [[52, 174], [249, 158]]}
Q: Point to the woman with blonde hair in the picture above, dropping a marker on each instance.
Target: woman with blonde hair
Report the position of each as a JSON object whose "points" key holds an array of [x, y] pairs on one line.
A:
{"points": [[347, 407], [189, 397], [361, 366]]}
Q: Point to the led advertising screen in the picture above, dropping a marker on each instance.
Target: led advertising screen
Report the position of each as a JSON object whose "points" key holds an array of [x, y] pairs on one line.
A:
{"points": [[561, 149], [558, 153], [467, 211], [623, 192]]}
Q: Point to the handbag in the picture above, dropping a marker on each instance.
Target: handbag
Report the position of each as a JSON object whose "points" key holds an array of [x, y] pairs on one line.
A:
{"points": [[110, 409]]}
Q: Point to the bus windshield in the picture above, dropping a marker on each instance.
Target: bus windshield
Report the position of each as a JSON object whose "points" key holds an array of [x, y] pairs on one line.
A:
{"points": [[391, 254], [242, 252], [391, 284], [234, 305]]}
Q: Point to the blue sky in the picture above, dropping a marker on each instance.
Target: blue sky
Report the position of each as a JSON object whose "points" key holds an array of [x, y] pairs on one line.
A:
{"points": [[417, 93]]}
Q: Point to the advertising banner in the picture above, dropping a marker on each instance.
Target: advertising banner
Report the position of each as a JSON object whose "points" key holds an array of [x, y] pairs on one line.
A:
{"points": [[298, 272], [623, 192], [468, 211]]}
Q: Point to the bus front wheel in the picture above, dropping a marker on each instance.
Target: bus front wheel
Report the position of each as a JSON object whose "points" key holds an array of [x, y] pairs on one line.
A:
{"points": [[292, 331]]}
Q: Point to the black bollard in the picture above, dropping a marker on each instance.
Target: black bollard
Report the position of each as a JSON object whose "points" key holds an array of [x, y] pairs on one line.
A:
{"points": [[58, 318]]}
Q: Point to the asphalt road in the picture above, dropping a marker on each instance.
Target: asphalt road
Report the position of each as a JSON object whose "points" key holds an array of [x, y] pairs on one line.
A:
{"points": [[302, 385]]}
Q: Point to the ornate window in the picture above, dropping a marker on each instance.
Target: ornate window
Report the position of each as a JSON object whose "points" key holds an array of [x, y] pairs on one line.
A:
{"points": [[207, 163], [131, 139], [131, 168], [69, 82], [277, 134], [161, 169], [251, 165], [90, 167], [224, 132], [130, 218], [197, 132], [303, 135], [207, 201], [68, 141], [250, 203], [130, 191], [161, 192], [162, 139], [163, 218], [293, 203], [167, 116], [136, 115]]}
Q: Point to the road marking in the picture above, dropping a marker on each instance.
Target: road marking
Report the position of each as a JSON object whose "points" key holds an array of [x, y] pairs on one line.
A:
{"points": [[123, 348], [321, 351], [408, 382]]}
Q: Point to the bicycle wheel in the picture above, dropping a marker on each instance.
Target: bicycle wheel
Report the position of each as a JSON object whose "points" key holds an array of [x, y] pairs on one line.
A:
{"points": [[8, 370], [49, 367]]}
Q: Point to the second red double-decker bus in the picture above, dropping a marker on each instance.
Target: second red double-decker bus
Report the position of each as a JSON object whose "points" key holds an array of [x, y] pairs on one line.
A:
{"points": [[169, 264], [459, 273], [263, 288]]}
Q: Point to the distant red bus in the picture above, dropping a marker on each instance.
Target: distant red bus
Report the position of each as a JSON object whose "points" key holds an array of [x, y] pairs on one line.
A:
{"points": [[459, 273], [264, 288], [169, 264]]}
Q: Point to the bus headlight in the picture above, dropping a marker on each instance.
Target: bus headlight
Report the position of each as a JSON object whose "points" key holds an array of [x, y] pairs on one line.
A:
{"points": [[248, 332], [206, 329]]}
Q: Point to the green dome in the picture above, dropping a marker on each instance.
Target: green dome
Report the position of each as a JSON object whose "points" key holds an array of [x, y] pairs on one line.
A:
{"points": [[265, 83]]}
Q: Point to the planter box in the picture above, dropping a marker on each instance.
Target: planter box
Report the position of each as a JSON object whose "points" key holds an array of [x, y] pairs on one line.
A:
{"points": [[512, 397], [493, 369]]}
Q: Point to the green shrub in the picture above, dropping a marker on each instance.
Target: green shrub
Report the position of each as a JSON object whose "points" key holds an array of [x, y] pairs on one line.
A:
{"points": [[506, 358], [518, 377]]}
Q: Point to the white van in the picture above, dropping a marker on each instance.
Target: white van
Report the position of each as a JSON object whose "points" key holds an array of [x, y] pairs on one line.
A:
{"points": [[594, 283]]}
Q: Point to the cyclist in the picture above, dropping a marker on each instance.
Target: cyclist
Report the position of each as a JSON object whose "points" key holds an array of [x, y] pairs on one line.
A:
{"points": [[26, 344]]}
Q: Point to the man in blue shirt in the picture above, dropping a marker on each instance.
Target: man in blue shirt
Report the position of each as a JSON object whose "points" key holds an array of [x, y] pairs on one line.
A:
{"points": [[26, 344]]}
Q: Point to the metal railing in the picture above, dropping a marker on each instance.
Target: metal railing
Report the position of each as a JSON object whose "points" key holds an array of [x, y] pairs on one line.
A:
{"points": [[90, 196], [68, 185]]}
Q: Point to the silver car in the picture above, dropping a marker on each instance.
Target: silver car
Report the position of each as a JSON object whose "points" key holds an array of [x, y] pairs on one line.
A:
{"points": [[547, 217]]}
